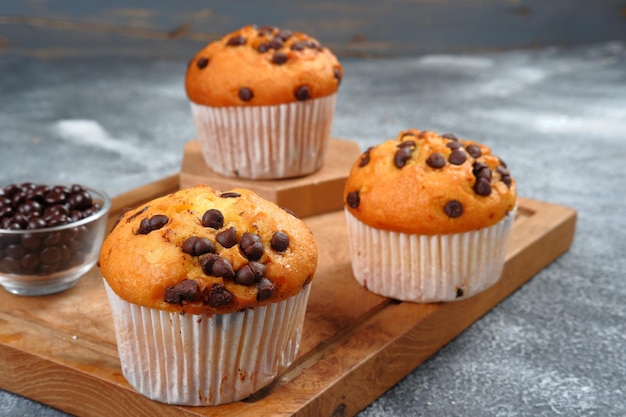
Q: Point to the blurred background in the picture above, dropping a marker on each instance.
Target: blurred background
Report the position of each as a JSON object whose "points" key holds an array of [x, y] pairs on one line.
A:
{"points": [[350, 28]]}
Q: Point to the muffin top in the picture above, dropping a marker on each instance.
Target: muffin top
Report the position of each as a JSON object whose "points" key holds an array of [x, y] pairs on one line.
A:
{"points": [[200, 250], [429, 184], [262, 66]]}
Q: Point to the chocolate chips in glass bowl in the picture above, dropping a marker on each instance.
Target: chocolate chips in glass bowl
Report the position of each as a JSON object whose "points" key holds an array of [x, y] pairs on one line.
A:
{"points": [[50, 235]]}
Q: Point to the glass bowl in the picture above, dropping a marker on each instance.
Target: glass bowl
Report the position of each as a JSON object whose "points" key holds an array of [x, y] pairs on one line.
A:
{"points": [[49, 258]]}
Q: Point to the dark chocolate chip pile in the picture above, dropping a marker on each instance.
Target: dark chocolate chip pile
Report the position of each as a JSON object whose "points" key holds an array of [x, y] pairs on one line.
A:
{"points": [[212, 264], [274, 41], [31, 206], [458, 156]]}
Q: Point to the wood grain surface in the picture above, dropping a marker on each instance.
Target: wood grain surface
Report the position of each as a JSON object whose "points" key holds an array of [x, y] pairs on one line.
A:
{"points": [[60, 349]]}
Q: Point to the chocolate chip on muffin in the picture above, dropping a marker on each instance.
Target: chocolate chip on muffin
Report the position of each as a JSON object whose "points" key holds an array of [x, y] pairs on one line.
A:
{"points": [[227, 238], [303, 92], [155, 222], [217, 295], [187, 290], [280, 241], [202, 62], [353, 199], [453, 209], [245, 94], [251, 246], [236, 41], [279, 58], [266, 289], [365, 158], [213, 218], [436, 160], [196, 246]]}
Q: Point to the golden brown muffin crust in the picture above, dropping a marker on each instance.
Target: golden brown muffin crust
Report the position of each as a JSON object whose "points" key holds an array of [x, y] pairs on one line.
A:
{"points": [[426, 183], [262, 66], [149, 259]]}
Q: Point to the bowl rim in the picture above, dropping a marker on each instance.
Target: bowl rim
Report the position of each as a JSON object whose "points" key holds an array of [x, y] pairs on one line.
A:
{"points": [[96, 194]]}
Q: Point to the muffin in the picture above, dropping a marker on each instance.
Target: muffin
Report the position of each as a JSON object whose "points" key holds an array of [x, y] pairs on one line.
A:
{"points": [[263, 101], [208, 291], [428, 217]]}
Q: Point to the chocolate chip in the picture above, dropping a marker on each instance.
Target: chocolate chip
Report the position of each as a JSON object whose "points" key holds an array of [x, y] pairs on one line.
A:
{"points": [[50, 255], [250, 273], [454, 145], [196, 246], [279, 58], [365, 158], [245, 94], [353, 199], [303, 93], [407, 143], [457, 157], [251, 246], [503, 171], [206, 262], [258, 268], [276, 43], [244, 276], [302, 45], [186, 290], [482, 187], [227, 238], [337, 74], [218, 295], [507, 180], [266, 289], [53, 197], [202, 62], [213, 218], [236, 41], [459, 292], [280, 241], [402, 155], [502, 163], [453, 208], [450, 136], [299, 46], [484, 173], [474, 150], [265, 30], [155, 222], [436, 160], [263, 47], [284, 34], [230, 194], [158, 221], [222, 268], [479, 167]]}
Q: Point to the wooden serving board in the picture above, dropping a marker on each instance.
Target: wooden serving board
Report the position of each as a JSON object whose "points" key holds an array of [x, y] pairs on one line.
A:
{"points": [[60, 349]]}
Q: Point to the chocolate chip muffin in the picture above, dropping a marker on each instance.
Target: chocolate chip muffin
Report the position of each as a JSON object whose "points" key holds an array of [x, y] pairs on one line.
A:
{"points": [[428, 217], [263, 100], [227, 273]]}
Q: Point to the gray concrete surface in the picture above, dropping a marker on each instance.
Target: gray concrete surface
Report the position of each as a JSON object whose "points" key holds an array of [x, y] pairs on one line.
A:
{"points": [[557, 116]]}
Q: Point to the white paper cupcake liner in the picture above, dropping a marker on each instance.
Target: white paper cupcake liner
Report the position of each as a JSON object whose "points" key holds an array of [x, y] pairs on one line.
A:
{"points": [[421, 268], [201, 360], [265, 142]]}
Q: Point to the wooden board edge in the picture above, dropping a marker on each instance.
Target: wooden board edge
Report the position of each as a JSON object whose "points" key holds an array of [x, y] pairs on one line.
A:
{"points": [[56, 386]]}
